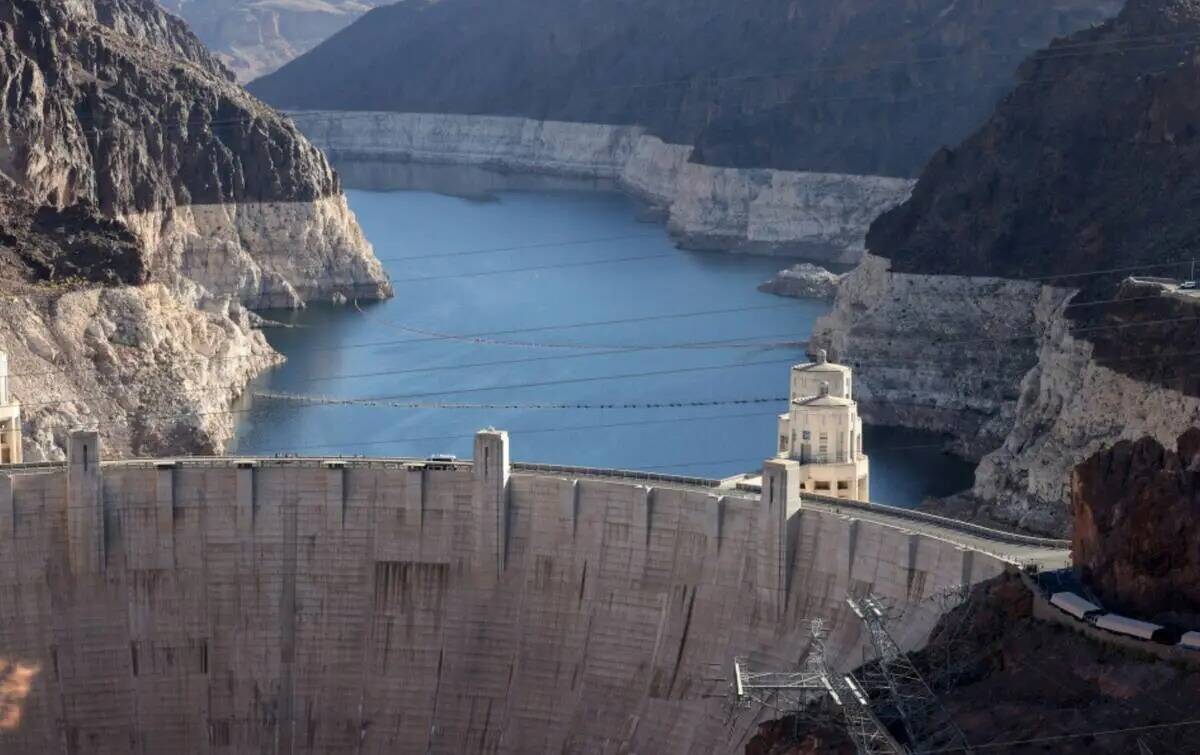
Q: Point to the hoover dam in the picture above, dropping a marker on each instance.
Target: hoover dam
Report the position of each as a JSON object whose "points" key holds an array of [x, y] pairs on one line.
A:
{"points": [[309, 605]]}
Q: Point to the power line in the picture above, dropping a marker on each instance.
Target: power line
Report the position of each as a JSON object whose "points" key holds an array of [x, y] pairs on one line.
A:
{"points": [[589, 379], [537, 268], [1078, 735], [485, 334], [521, 247]]}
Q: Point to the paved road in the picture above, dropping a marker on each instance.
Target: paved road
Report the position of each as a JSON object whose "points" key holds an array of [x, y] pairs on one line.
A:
{"points": [[1015, 548]]}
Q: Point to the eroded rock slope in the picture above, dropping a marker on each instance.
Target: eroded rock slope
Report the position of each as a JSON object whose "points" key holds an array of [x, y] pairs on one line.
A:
{"points": [[145, 200], [116, 105], [863, 87], [1085, 174], [1135, 508]]}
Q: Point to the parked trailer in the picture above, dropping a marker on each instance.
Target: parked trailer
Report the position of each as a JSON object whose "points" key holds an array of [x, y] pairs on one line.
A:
{"points": [[1075, 605], [1143, 630], [1190, 640]]}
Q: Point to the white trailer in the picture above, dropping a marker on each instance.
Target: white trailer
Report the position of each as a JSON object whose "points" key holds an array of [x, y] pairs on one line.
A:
{"points": [[1130, 627], [1075, 605]]}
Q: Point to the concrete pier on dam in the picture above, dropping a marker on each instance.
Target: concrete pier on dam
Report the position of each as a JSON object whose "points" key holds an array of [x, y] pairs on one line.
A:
{"points": [[237, 605]]}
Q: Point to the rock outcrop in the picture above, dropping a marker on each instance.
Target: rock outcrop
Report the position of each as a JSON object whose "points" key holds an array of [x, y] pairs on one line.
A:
{"points": [[803, 281], [940, 353], [818, 216], [154, 372], [863, 87], [1136, 506], [113, 104], [1086, 171], [144, 201], [254, 38]]}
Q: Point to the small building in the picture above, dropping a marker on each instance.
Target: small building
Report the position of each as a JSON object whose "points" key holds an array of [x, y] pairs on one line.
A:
{"points": [[10, 419], [823, 432]]}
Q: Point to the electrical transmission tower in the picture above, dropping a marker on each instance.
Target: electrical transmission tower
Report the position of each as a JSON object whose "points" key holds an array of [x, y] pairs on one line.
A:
{"points": [[950, 651], [907, 700], [806, 693]]}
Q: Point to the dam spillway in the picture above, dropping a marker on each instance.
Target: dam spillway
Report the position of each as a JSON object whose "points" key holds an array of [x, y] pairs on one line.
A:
{"points": [[390, 606]]}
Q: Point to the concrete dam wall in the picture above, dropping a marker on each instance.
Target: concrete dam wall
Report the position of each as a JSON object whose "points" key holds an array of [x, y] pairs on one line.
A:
{"points": [[390, 606]]}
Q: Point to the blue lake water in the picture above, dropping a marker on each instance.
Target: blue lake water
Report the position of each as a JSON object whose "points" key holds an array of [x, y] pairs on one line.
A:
{"points": [[596, 309]]}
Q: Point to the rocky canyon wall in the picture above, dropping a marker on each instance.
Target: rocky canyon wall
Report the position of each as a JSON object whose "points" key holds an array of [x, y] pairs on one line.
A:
{"points": [[1134, 506], [940, 353], [154, 372], [114, 104], [144, 200], [389, 607], [822, 216], [1004, 368]]}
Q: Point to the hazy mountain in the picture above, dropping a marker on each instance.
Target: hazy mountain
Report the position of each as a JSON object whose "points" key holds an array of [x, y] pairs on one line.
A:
{"points": [[254, 37], [860, 86]]}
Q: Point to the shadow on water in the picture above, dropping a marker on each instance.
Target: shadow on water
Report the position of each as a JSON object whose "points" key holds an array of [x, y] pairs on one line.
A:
{"points": [[672, 327]]}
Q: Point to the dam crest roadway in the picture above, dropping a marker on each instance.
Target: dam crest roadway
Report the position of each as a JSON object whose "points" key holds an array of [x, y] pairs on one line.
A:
{"points": [[405, 605]]}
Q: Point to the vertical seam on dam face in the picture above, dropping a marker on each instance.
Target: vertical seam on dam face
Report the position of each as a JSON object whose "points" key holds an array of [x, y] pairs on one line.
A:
{"points": [[286, 719], [288, 615], [8, 512]]}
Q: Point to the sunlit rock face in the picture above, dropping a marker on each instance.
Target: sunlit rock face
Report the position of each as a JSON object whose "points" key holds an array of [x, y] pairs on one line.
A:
{"points": [[114, 104], [1084, 175], [145, 201], [1135, 508], [254, 38], [760, 211]]}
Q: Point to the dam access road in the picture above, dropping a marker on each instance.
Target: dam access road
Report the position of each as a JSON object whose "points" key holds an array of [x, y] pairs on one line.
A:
{"points": [[288, 605]]}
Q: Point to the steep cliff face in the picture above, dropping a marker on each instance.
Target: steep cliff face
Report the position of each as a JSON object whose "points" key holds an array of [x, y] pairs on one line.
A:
{"points": [[254, 38], [114, 104], [144, 199], [941, 353], [867, 87], [1086, 172], [1088, 164], [816, 215], [1135, 507], [154, 373]]}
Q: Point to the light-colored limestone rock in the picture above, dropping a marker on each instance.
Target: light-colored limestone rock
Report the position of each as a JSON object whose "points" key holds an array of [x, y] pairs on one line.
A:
{"points": [[817, 215], [940, 353], [820, 216], [803, 281], [1071, 407], [992, 363], [154, 370], [266, 254]]}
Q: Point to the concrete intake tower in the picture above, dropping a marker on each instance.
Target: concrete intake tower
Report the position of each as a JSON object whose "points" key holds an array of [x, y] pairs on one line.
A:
{"points": [[241, 605]]}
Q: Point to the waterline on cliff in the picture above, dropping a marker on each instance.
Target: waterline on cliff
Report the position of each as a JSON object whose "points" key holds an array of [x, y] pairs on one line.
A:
{"points": [[705, 442]]}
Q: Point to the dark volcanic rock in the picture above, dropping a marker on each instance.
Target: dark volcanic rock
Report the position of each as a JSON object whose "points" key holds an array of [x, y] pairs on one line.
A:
{"points": [[73, 244], [115, 102], [1091, 163], [866, 86], [113, 108], [1137, 525]]}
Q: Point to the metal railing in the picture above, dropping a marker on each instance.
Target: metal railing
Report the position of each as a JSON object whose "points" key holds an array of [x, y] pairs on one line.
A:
{"points": [[838, 504], [622, 474], [957, 525]]}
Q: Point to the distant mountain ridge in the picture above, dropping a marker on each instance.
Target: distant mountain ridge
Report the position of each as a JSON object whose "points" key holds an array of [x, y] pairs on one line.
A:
{"points": [[865, 86], [254, 37]]}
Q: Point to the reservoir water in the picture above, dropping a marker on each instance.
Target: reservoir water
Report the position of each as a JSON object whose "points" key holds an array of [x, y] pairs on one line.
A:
{"points": [[555, 314]]}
